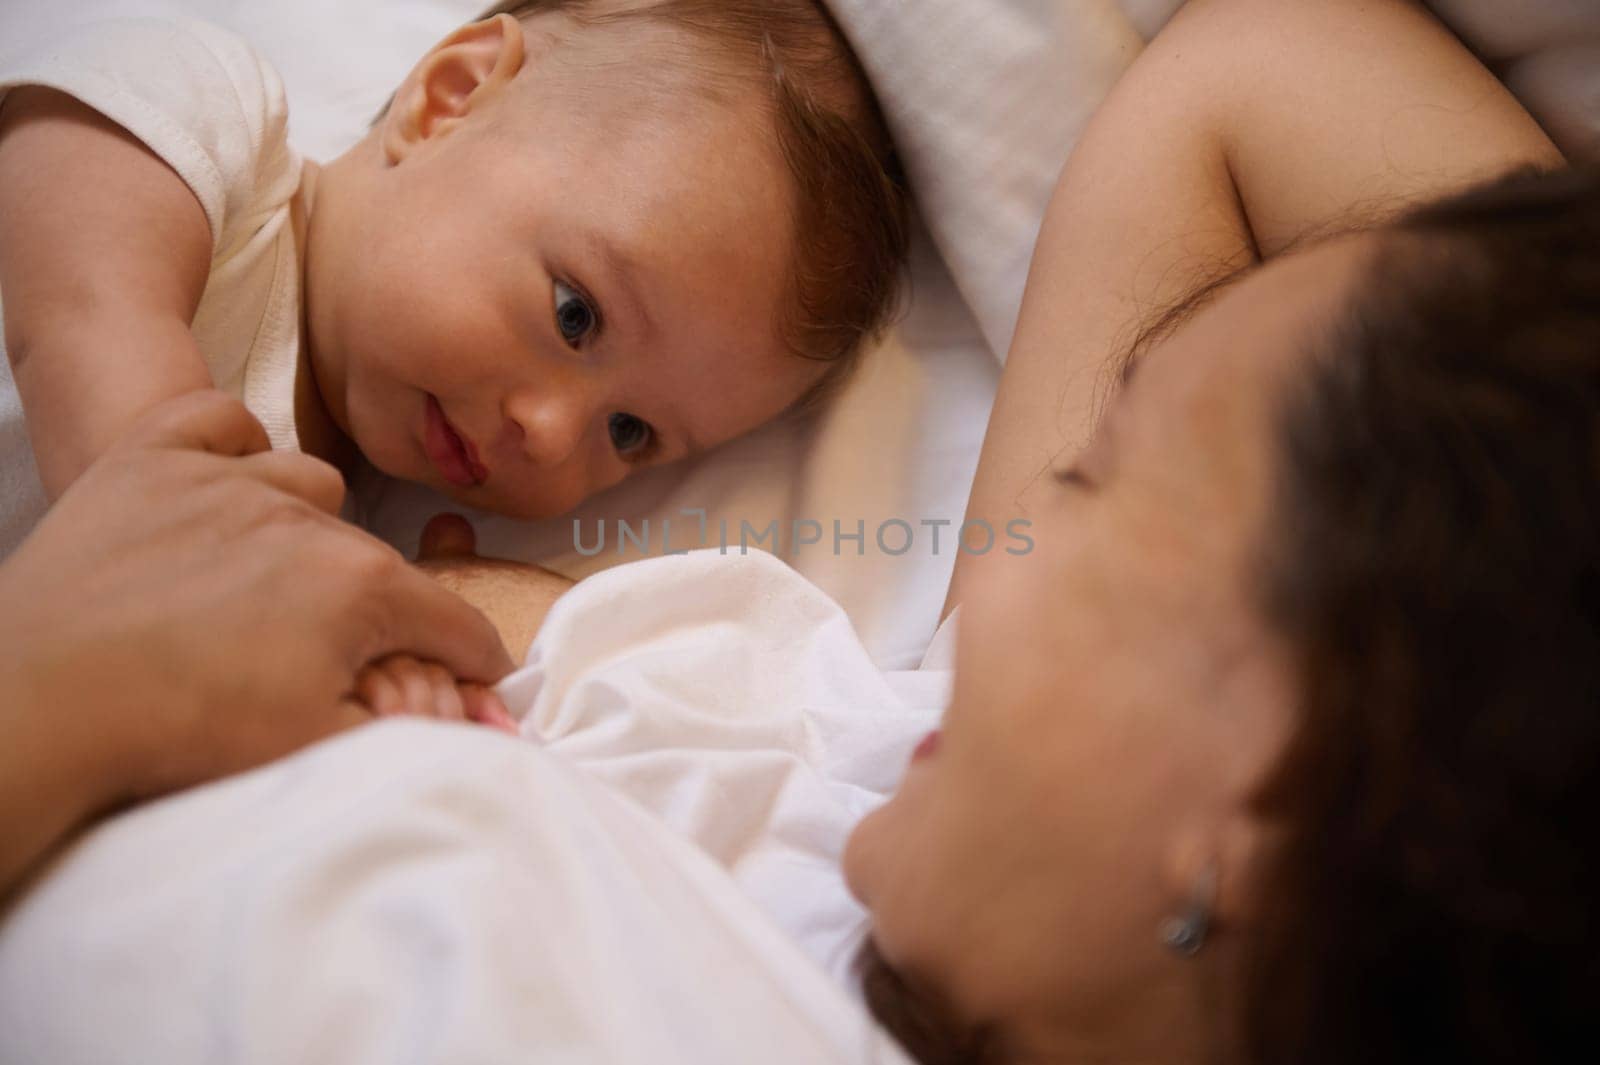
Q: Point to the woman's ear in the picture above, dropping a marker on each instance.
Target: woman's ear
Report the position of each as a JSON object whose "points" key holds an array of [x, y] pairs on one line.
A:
{"points": [[461, 74], [1217, 857], [1217, 867]]}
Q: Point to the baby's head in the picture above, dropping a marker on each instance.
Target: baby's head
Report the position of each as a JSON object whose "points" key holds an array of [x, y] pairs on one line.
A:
{"points": [[590, 236]]}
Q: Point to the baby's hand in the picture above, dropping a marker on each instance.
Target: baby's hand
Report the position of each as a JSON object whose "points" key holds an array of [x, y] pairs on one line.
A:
{"points": [[404, 686]]}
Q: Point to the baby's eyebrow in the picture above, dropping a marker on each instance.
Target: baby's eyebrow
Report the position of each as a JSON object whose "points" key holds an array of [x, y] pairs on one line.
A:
{"points": [[622, 275]]}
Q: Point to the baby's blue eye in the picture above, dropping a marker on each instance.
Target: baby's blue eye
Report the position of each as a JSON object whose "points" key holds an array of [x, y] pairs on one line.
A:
{"points": [[629, 434], [575, 318]]}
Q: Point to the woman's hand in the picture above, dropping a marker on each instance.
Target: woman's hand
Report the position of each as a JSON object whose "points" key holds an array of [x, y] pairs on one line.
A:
{"points": [[514, 596], [191, 607]]}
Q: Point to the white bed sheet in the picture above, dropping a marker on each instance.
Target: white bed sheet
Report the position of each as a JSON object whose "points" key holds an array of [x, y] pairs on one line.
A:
{"points": [[432, 893]]}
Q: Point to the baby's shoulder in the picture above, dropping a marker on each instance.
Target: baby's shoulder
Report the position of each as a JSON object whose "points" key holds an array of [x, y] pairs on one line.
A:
{"points": [[199, 96]]}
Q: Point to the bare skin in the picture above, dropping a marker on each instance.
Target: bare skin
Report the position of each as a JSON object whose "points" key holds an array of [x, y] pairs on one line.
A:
{"points": [[529, 255], [1246, 126], [100, 289], [522, 247], [514, 596], [165, 684], [1118, 699]]}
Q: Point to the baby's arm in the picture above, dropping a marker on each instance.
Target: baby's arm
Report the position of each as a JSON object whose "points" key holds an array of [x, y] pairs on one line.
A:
{"points": [[104, 253]]}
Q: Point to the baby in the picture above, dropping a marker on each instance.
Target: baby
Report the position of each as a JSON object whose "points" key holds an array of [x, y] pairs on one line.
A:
{"points": [[585, 237]]}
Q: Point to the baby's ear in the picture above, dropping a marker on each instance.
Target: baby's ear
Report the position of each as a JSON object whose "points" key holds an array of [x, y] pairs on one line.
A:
{"points": [[462, 73]]}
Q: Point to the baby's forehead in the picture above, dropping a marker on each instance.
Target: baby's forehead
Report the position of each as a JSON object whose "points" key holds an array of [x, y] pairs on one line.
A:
{"points": [[642, 50], [630, 115], [620, 90]]}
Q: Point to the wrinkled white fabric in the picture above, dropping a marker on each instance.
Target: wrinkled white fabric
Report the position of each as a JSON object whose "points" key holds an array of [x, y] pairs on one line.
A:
{"points": [[986, 101], [640, 879], [733, 699]]}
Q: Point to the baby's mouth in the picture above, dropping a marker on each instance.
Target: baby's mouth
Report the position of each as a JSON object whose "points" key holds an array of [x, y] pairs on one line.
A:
{"points": [[451, 452]]}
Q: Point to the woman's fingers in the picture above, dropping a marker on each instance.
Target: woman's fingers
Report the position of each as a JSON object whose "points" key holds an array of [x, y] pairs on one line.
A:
{"points": [[419, 617], [377, 690], [350, 714], [302, 476]]}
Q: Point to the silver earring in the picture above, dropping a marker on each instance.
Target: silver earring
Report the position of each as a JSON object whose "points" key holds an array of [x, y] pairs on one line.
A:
{"points": [[1185, 935]]}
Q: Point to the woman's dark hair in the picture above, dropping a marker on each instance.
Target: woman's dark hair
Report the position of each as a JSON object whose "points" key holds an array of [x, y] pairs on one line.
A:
{"points": [[1433, 555], [920, 1020], [1434, 558]]}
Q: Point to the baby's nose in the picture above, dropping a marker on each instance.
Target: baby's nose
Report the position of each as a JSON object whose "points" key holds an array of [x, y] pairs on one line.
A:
{"points": [[549, 424]]}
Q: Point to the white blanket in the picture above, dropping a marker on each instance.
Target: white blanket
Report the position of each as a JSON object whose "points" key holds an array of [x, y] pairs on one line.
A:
{"points": [[431, 893]]}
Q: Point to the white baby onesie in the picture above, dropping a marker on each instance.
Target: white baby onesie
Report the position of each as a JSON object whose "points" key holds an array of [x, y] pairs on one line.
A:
{"points": [[206, 103]]}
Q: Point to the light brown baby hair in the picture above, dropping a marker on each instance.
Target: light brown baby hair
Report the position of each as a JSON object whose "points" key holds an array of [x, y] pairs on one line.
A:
{"points": [[852, 208]]}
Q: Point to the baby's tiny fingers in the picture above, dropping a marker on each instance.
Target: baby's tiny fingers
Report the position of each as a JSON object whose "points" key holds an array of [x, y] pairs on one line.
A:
{"points": [[446, 701], [415, 687], [379, 693], [485, 707]]}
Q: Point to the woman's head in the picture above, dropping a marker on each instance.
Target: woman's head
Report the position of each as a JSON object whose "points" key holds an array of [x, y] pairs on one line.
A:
{"points": [[589, 236], [1310, 639], [1436, 565]]}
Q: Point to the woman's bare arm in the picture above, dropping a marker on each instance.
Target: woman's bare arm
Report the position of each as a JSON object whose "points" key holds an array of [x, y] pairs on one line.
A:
{"points": [[1246, 125]]}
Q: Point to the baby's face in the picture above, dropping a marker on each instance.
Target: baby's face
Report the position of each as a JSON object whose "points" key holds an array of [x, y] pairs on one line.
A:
{"points": [[581, 278]]}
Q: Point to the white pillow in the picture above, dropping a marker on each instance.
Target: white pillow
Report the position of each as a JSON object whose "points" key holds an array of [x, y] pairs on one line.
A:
{"points": [[985, 101], [1507, 32], [1561, 86], [1548, 52]]}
